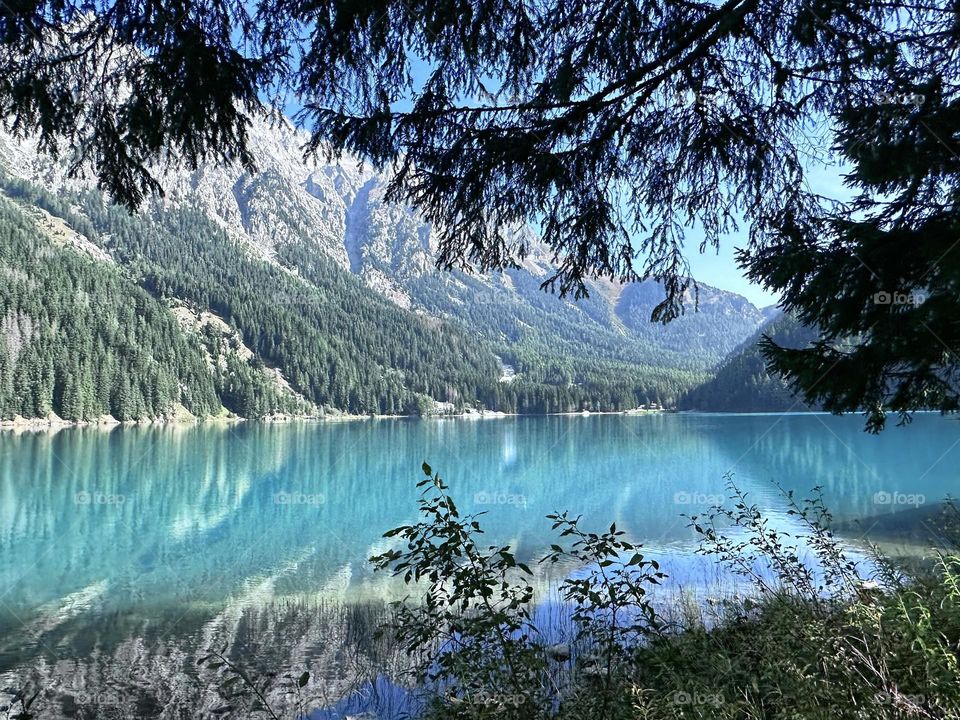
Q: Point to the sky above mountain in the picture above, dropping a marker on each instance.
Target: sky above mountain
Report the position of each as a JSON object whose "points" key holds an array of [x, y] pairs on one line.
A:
{"points": [[718, 267]]}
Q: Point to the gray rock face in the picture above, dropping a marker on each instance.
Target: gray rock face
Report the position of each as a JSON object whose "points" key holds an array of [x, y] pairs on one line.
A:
{"points": [[338, 208]]}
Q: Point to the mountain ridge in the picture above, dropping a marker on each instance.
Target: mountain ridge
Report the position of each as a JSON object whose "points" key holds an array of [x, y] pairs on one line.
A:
{"points": [[321, 224], [743, 382]]}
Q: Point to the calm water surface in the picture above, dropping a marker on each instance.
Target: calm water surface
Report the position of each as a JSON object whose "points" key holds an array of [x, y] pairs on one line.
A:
{"points": [[154, 523]]}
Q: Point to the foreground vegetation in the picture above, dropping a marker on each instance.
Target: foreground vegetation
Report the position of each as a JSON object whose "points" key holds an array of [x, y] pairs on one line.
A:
{"points": [[816, 634]]}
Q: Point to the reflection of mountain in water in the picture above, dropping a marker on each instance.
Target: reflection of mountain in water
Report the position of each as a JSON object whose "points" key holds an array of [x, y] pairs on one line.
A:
{"points": [[861, 475], [935, 525], [103, 535], [131, 670]]}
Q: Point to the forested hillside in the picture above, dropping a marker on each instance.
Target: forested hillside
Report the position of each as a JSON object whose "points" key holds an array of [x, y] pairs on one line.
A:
{"points": [[342, 348], [82, 341], [535, 330], [743, 384], [300, 291], [96, 333]]}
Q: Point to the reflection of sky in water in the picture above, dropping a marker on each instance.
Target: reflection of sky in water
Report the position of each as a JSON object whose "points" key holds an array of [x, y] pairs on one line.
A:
{"points": [[380, 699], [509, 447], [136, 520]]}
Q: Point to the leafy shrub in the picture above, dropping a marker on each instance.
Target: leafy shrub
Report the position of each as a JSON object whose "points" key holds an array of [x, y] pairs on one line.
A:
{"points": [[818, 636]]}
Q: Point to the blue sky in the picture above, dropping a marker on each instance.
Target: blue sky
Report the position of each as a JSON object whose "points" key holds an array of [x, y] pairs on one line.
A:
{"points": [[720, 268]]}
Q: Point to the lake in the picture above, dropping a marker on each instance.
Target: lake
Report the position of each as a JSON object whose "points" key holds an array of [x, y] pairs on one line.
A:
{"points": [[157, 530]]}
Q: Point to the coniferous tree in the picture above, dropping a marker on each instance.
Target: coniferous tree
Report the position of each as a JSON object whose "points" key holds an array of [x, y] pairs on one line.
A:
{"points": [[613, 126]]}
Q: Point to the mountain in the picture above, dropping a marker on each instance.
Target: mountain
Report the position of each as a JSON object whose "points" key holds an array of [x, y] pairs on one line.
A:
{"points": [[743, 384], [300, 290]]}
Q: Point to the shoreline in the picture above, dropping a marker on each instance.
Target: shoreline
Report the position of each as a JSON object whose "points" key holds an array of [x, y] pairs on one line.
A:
{"points": [[55, 423]]}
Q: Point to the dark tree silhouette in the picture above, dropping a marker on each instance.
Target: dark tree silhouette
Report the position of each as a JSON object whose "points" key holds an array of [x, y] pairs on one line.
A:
{"points": [[610, 125]]}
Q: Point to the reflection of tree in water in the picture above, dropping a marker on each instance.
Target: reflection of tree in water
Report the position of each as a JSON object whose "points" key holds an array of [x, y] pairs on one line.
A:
{"points": [[856, 470], [201, 527], [910, 531], [136, 668], [202, 511], [137, 671]]}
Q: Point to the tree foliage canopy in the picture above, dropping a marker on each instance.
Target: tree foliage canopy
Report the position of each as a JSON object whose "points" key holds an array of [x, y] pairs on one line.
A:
{"points": [[612, 126]]}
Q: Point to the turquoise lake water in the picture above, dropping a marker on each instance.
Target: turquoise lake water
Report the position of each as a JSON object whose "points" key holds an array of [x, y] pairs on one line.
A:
{"points": [[161, 522]]}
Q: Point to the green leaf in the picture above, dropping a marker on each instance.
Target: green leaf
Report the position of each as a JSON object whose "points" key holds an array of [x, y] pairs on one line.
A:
{"points": [[303, 679], [427, 470]]}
